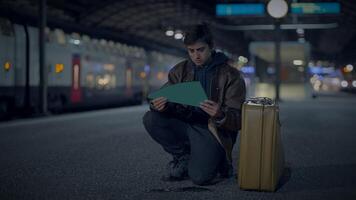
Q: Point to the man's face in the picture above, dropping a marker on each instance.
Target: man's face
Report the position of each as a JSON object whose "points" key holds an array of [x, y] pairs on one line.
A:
{"points": [[199, 53]]}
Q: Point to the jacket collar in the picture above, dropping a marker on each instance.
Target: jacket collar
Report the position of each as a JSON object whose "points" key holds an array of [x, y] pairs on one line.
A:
{"points": [[214, 86]]}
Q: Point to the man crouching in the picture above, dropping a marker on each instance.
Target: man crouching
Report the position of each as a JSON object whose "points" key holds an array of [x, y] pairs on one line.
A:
{"points": [[200, 139]]}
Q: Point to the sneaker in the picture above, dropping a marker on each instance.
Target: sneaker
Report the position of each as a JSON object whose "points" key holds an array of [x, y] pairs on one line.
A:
{"points": [[177, 169]]}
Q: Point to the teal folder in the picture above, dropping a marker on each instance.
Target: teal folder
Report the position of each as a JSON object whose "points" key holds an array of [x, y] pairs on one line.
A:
{"points": [[188, 93]]}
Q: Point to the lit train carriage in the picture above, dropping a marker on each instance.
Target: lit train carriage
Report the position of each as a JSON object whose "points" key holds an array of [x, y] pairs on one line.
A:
{"points": [[7, 60], [82, 72], [102, 73], [13, 67], [26, 70], [58, 63], [102, 76]]}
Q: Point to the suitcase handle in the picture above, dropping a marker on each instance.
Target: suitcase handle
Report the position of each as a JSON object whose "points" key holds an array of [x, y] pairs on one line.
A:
{"points": [[260, 100]]}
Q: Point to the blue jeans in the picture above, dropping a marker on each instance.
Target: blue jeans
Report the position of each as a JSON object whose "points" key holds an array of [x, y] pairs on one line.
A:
{"points": [[180, 138]]}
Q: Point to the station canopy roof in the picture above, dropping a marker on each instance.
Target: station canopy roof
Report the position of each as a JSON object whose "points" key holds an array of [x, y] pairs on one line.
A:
{"points": [[145, 22]]}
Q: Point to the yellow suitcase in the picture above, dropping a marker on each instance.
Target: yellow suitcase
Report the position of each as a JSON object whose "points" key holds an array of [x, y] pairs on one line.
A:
{"points": [[261, 160]]}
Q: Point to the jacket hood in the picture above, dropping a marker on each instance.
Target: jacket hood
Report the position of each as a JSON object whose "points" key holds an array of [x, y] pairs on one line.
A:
{"points": [[217, 59]]}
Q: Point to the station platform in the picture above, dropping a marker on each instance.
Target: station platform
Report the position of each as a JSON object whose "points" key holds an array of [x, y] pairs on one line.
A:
{"points": [[107, 154]]}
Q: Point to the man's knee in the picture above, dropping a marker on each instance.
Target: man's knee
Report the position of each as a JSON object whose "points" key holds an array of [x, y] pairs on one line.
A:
{"points": [[151, 118], [200, 178], [146, 118]]}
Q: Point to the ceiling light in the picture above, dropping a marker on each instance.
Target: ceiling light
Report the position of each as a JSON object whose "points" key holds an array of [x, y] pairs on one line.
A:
{"points": [[349, 68], [300, 31], [169, 33], [344, 83], [297, 62], [178, 35]]}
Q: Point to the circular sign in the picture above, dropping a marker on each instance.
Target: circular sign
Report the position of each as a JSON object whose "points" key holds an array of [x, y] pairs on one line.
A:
{"points": [[277, 8]]}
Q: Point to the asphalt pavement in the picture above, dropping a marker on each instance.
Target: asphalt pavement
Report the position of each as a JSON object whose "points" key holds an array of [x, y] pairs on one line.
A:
{"points": [[107, 154]]}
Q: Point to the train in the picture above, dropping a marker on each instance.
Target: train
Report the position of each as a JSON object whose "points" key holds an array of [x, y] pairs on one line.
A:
{"points": [[83, 72]]}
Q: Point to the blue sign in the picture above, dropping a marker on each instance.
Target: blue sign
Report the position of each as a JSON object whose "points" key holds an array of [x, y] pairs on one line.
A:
{"points": [[315, 8], [248, 69], [321, 70], [240, 9]]}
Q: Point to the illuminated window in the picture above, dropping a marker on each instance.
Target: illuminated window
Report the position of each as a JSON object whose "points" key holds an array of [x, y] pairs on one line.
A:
{"points": [[160, 75], [90, 80], [7, 66], [113, 81], [128, 78], [109, 67], [103, 80], [142, 75], [59, 68]]}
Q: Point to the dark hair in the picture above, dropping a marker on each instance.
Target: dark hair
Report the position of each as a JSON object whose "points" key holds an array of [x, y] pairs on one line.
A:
{"points": [[198, 33]]}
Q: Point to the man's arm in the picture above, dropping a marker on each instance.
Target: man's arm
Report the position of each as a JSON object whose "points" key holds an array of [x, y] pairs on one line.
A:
{"points": [[234, 98], [166, 106]]}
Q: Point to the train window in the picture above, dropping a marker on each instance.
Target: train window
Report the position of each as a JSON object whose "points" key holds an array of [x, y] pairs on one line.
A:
{"points": [[143, 75], [160, 75], [109, 67], [59, 68], [7, 66], [60, 36], [113, 81], [90, 80], [6, 27], [104, 81]]}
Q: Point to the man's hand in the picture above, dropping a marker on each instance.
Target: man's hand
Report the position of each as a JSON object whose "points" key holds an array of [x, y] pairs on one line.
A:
{"points": [[159, 103], [212, 108]]}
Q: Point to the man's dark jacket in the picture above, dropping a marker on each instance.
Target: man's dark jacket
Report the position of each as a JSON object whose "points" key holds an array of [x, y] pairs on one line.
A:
{"points": [[226, 87]]}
